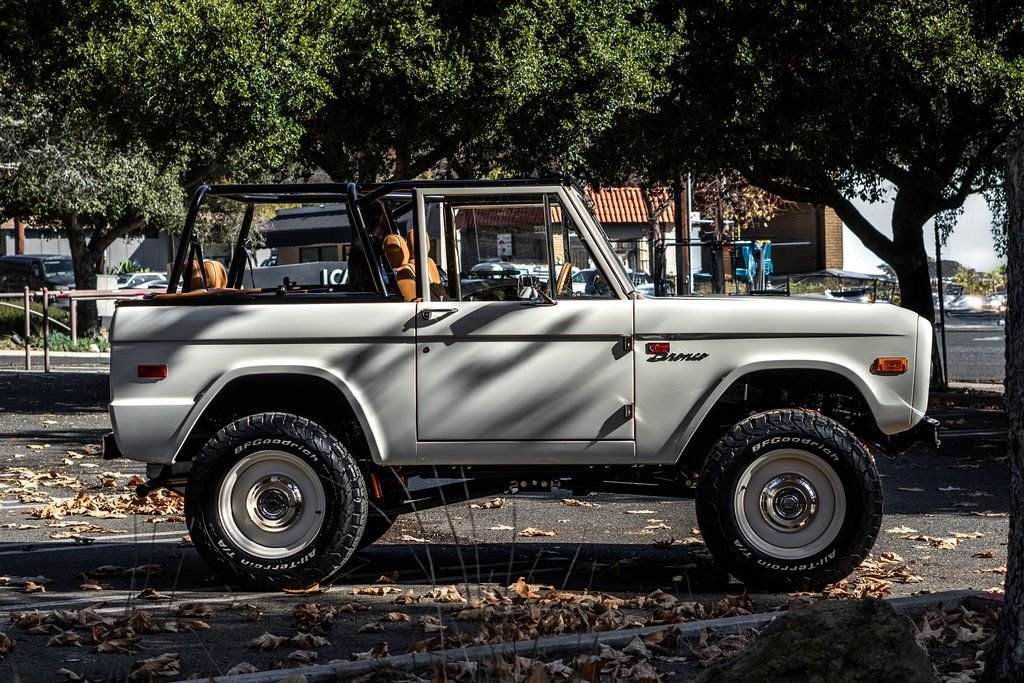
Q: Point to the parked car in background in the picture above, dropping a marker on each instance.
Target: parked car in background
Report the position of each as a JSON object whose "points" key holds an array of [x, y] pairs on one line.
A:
{"points": [[139, 280], [53, 271]]}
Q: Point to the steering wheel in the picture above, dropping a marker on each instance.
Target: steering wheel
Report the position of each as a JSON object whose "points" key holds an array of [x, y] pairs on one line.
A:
{"points": [[563, 278]]}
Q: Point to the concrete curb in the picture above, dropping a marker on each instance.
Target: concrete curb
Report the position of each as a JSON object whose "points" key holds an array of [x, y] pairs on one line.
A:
{"points": [[568, 645]]}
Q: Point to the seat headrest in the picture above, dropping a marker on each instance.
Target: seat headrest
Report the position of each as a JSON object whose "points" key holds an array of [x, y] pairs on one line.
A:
{"points": [[410, 237], [396, 251], [216, 276]]}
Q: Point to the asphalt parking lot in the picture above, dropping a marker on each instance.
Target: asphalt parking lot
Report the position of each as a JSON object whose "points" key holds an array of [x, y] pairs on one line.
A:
{"points": [[945, 526]]}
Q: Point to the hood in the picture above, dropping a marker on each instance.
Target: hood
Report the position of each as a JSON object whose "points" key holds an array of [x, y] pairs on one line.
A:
{"points": [[760, 317], [60, 281]]}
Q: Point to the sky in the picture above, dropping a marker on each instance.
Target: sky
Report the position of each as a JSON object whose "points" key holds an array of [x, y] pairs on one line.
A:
{"points": [[970, 242]]}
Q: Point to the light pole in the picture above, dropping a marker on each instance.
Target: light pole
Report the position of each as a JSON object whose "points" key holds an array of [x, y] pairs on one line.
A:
{"points": [[940, 326]]}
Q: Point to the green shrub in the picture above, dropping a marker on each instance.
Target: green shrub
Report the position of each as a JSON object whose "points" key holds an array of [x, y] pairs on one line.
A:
{"points": [[12, 319], [62, 342]]}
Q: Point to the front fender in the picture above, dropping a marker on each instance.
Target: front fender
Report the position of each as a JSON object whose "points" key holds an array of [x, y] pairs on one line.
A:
{"points": [[366, 419]]}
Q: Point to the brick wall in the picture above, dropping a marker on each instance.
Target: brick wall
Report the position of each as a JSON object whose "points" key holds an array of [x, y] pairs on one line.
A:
{"points": [[819, 227]]}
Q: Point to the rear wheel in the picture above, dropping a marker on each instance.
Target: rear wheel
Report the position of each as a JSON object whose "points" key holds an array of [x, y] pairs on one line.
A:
{"points": [[276, 501], [789, 499]]}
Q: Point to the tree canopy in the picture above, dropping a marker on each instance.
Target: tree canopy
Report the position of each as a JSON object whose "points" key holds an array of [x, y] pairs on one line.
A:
{"points": [[523, 87], [116, 109], [824, 102]]}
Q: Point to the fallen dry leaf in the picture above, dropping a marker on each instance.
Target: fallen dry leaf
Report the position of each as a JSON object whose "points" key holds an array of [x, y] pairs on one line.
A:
{"points": [[940, 543], [303, 656], [639, 512], [376, 590], [151, 594], [489, 505], [65, 639], [443, 594], [984, 555], [6, 644], [308, 641], [23, 580], [266, 642], [195, 609], [122, 646], [165, 666], [241, 668], [500, 527], [531, 531], [376, 652], [315, 588], [910, 489], [901, 529], [409, 538], [574, 502], [372, 627]]}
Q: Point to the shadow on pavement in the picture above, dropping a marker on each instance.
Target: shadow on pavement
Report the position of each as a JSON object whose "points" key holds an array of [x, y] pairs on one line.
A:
{"points": [[35, 392]]}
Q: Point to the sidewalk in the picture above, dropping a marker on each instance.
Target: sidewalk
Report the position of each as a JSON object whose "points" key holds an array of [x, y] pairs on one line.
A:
{"points": [[60, 361], [979, 387]]}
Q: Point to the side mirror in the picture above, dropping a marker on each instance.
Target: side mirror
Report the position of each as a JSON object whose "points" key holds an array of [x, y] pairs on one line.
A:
{"points": [[527, 288], [530, 292]]}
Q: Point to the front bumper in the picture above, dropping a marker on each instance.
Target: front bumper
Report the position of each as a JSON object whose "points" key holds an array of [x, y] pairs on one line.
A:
{"points": [[926, 431]]}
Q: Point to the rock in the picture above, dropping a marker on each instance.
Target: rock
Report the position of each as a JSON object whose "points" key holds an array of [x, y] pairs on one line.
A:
{"points": [[845, 641], [93, 348]]}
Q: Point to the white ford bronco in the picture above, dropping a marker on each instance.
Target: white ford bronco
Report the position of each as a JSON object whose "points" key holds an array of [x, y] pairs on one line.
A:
{"points": [[430, 329]]}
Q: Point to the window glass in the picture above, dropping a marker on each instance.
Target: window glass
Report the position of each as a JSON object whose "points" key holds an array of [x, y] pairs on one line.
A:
{"points": [[319, 253], [507, 247], [58, 267]]}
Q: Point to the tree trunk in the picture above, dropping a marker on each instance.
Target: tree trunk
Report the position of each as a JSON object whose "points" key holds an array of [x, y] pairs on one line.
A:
{"points": [[85, 264], [1005, 658], [19, 236], [915, 285]]}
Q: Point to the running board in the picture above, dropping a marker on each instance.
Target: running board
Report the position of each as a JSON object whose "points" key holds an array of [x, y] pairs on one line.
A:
{"points": [[439, 496]]}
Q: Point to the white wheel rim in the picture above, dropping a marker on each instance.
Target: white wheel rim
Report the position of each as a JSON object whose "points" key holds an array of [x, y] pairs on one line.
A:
{"points": [[271, 504], [789, 504]]}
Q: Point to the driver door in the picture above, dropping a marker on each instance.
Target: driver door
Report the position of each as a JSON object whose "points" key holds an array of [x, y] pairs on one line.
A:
{"points": [[498, 376]]}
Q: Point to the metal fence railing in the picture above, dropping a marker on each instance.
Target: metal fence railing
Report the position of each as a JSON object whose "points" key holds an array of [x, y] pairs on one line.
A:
{"points": [[72, 297]]}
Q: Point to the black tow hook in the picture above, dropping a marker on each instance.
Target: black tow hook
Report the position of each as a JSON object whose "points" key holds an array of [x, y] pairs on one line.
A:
{"points": [[146, 488]]}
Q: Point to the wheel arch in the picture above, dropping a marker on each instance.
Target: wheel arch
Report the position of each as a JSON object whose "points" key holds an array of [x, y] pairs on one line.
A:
{"points": [[729, 401], [311, 392]]}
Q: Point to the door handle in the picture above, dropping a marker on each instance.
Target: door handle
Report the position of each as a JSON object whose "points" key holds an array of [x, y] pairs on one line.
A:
{"points": [[428, 313]]}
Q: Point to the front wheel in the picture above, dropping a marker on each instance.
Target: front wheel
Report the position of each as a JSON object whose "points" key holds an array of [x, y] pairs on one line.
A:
{"points": [[275, 501], [789, 499]]}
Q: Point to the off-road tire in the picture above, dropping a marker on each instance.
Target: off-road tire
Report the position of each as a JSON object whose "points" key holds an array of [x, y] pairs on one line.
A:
{"points": [[377, 525], [747, 490], [313, 462]]}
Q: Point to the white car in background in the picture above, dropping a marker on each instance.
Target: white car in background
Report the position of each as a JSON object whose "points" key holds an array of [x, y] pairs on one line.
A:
{"points": [[138, 280]]}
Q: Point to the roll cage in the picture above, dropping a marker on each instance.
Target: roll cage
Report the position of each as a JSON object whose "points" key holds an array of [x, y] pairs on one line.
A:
{"points": [[357, 199]]}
